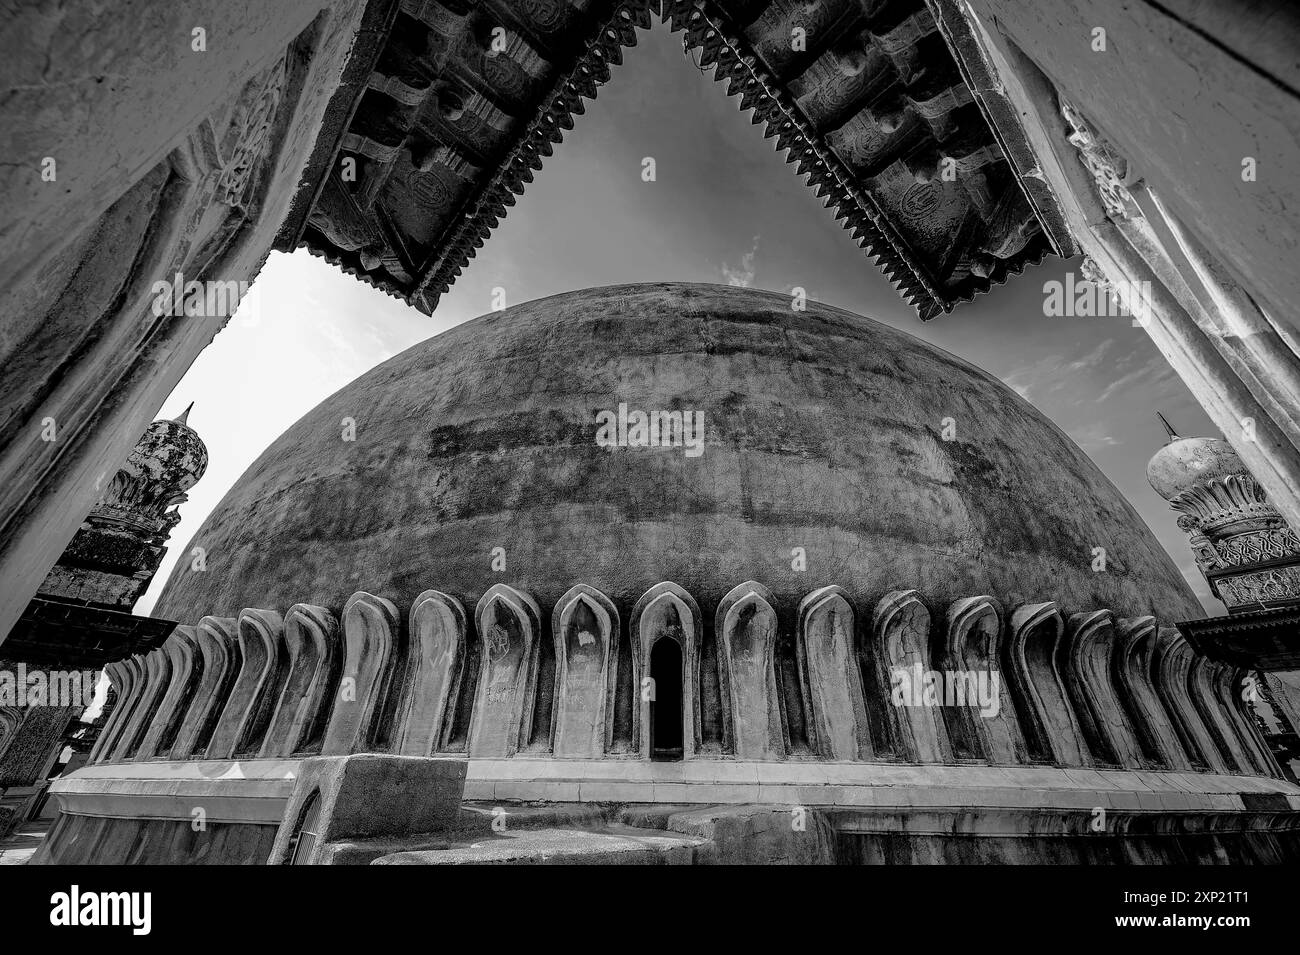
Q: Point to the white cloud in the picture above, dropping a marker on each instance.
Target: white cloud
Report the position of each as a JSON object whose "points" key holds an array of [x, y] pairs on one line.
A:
{"points": [[742, 277], [1154, 371]]}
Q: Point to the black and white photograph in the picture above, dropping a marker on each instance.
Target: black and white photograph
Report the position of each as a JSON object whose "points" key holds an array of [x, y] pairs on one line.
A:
{"points": [[745, 433]]}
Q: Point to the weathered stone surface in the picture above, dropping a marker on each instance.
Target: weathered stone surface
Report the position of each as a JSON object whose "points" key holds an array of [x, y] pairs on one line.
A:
{"points": [[370, 795]]}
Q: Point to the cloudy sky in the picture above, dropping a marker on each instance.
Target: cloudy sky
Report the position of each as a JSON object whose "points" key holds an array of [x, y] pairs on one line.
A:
{"points": [[724, 208]]}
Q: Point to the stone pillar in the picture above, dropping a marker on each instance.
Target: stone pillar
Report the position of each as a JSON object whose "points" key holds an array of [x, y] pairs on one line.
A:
{"points": [[169, 161], [1097, 100]]}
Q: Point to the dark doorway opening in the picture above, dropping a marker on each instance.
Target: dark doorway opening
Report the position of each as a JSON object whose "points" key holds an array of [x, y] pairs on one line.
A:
{"points": [[666, 703]]}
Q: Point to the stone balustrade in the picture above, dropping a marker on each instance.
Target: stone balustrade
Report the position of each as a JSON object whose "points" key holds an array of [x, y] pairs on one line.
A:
{"points": [[758, 682]]}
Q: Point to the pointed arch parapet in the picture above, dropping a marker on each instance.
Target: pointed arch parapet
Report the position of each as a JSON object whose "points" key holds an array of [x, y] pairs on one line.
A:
{"points": [[1051, 728], [370, 636], [746, 623], [1079, 691], [668, 611], [986, 722], [185, 665], [434, 672], [585, 628], [1134, 657], [121, 675], [153, 678], [1086, 668], [262, 661], [218, 643], [1235, 701], [827, 653], [1171, 674], [900, 630], [508, 626], [312, 642]]}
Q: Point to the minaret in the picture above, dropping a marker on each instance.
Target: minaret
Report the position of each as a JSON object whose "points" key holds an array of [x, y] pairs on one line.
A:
{"points": [[1243, 546], [116, 551], [81, 616]]}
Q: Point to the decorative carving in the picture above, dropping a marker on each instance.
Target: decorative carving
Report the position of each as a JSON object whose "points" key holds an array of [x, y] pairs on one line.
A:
{"points": [[1242, 544], [921, 199], [1108, 168], [250, 129], [1221, 503], [1263, 587], [545, 14]]}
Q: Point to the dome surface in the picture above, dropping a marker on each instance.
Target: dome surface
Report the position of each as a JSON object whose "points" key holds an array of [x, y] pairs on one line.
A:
{"points": [[823, 437]]}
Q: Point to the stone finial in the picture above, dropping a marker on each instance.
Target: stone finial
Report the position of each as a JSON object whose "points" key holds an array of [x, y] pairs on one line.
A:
{"points": [[1169, 429]]}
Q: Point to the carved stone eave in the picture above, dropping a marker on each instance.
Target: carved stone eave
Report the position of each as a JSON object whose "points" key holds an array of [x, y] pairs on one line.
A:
{"points": [[1261, 639], [371, 36], [451, 189], [961, 33], [66, 635], [393, 262], [992, 237]]}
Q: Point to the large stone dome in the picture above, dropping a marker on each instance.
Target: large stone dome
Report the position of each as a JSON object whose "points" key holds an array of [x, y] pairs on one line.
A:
{"points": [[823, 431]]}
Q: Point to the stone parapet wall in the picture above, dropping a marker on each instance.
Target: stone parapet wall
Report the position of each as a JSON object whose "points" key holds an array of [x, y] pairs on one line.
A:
{"points": [[761, 682]]}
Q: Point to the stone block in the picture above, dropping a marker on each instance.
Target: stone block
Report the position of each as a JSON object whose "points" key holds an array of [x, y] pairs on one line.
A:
{"points": [[368, 795]]}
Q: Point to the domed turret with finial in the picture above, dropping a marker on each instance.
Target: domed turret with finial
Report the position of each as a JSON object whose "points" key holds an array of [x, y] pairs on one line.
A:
{"points": [[1242, 544]]}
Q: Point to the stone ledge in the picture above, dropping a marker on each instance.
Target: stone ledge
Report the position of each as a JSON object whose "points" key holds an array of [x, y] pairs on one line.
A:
{"points": [[258, 790]]}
